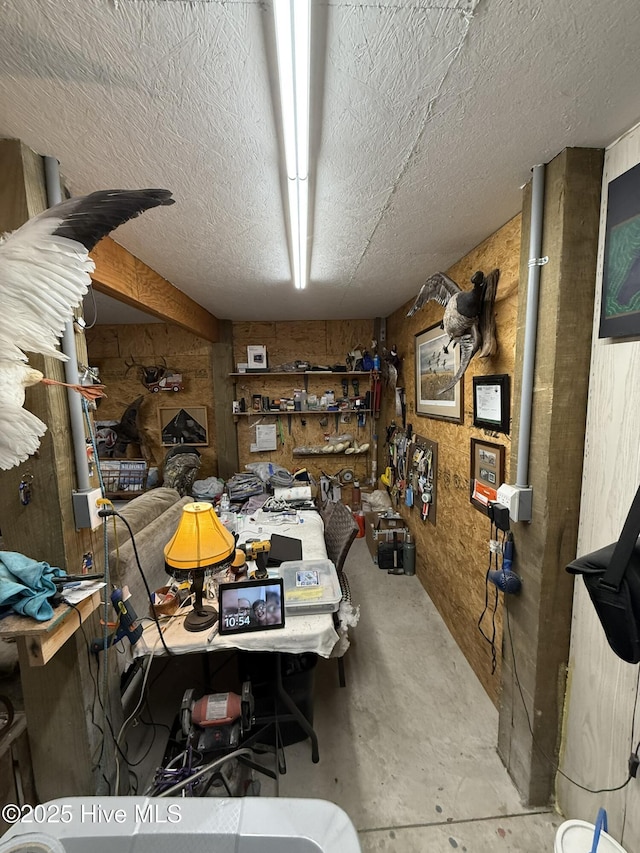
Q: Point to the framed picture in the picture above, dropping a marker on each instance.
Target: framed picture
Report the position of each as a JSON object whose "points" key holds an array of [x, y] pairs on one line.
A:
{"points": [[434, 369], [487, 473], [187, 425], [620, 308], [491, 402]]}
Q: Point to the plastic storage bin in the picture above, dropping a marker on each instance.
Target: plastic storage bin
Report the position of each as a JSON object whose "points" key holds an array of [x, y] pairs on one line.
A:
{"points": [[199, 825], [310, 586]]}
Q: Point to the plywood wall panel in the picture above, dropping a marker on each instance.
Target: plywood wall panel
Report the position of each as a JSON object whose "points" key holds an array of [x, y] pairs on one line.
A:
{"points": [[453, 556], [318, 341], [149, 344]]}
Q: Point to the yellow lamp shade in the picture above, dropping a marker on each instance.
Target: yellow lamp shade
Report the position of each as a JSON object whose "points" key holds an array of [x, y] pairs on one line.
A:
{"points": [[201, 539]]}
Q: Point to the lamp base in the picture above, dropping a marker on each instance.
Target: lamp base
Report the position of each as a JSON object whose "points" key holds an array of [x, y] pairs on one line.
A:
{"points": [[200, 619]]}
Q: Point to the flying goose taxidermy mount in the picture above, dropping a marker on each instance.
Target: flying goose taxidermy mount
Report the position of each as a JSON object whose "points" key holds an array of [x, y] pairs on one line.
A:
{"points": [[45, 270], [468, 317]]}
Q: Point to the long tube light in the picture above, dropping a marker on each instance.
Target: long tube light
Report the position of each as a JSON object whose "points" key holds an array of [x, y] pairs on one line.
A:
{"points": [[293, 43]]}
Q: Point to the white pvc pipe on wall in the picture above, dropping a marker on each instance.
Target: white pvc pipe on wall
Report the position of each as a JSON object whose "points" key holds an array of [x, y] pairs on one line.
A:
{"points": [[68, 346], [531, 326]]}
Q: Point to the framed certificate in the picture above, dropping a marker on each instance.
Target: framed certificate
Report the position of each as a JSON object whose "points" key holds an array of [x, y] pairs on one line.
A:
{"points": [[491, 403]]}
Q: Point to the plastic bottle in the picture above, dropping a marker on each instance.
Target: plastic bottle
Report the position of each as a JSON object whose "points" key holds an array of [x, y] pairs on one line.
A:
{"points": [[226, 516], [409, 555], [376, 362]]}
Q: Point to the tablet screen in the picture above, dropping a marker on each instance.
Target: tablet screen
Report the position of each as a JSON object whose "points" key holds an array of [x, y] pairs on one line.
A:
{"points": [[250, 606]]}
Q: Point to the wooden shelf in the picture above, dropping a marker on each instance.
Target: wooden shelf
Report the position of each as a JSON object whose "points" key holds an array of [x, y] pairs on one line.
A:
{"points": [[262, 374], [41, 640], [329, 455]]}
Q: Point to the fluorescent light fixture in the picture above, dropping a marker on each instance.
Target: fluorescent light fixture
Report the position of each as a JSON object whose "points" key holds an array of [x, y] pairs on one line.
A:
{"points": [[293, 40]]}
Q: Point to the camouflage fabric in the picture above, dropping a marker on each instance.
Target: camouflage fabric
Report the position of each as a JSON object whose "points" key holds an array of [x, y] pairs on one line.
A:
{"points": [[180, 470]]}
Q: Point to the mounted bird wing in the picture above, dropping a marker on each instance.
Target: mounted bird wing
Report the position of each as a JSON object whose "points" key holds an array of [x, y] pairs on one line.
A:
{"points": [[469, 346], [44, 272], [45, 266], [439, 288]]}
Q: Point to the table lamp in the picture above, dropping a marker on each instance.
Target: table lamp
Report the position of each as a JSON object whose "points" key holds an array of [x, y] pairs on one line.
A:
{"points": [[201, 542]]}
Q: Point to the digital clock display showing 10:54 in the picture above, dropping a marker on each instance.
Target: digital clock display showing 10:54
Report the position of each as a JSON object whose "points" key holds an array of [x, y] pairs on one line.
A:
{"points": [[250, 606]]}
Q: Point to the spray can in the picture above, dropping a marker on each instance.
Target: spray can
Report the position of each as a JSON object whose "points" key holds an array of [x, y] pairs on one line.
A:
{"points": [[356, 497], [409, 555]]}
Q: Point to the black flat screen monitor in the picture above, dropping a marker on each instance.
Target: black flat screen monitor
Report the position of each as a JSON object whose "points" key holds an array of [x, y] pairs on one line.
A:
{"points": [[250, 606]]}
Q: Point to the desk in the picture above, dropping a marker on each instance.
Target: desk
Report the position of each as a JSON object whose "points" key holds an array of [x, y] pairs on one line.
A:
{"points": [[314, 633]]}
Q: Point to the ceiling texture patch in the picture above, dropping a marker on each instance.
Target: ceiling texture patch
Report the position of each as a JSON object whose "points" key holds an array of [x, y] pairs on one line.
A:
{"points": [[430, 117]]}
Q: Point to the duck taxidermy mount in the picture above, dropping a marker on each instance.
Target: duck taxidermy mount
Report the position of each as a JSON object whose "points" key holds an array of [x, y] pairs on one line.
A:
{"points": [[468, 317]]}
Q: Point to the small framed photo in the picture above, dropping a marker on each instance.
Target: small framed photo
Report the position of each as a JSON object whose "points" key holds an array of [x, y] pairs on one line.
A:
{"points": [[257, 358], [186, 425], [436, 365], [492, 403], [487, 473]]}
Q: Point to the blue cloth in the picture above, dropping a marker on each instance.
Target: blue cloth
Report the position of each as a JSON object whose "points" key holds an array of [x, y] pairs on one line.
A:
{"points": [[26, 585]]}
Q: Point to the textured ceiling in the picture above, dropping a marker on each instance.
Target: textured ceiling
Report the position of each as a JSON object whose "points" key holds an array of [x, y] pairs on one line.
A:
{"points": [[427, 119]]}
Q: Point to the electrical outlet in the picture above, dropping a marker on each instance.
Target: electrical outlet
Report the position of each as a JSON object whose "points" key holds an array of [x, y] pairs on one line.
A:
{"points": [[518, 500]]}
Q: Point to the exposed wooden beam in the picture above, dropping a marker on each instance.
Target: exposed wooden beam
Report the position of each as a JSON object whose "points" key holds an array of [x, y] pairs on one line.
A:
{"points": [[121, 275]]}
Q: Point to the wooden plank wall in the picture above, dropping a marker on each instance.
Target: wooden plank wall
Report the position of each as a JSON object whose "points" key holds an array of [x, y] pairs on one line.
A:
{"points": [[111, 347], [452, 557], [537, 646], [602, 712], [63, 737], [318, 341]]}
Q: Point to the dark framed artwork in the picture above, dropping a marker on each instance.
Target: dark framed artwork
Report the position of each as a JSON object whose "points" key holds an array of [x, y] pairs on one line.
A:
{"points": [[434, 368], [491, 402], [487, 473], [187, 425], [620, 308]]}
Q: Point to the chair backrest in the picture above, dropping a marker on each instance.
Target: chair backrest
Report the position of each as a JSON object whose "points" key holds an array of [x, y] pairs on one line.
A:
{"points": [[339, 532]]}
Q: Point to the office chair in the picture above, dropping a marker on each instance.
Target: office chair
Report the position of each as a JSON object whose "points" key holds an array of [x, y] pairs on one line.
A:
{"points": [[339, 532]]}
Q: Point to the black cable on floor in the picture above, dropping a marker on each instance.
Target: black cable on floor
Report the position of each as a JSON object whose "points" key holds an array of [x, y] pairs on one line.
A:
{"points": [[553, 764]]}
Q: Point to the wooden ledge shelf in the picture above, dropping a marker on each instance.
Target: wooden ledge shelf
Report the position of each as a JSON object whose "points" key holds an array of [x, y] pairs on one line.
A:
{"points": [[41, 640], [263, 373]]}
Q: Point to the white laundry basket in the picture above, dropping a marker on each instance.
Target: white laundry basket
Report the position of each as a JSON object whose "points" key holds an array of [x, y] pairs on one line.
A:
{"points": [[578, 836]]}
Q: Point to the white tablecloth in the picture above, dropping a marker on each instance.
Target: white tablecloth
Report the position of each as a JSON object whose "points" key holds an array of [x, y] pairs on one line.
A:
{"points": [[314, 633]]}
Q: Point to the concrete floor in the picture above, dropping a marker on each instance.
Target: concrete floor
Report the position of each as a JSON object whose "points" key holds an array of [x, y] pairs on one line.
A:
{"points": [[408, 747]]}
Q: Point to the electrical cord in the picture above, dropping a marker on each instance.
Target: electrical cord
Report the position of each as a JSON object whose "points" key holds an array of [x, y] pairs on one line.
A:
{"points": [[553, 764], [634, 759], [93, 680], [492, 639], [111, 511], [128, 720]]}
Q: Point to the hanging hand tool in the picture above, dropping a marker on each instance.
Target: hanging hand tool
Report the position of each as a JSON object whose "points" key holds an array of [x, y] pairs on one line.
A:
{"points": [[126, 626]]}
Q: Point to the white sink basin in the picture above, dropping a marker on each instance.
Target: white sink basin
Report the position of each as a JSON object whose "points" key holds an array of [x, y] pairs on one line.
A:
{"points": [[198, 825]]}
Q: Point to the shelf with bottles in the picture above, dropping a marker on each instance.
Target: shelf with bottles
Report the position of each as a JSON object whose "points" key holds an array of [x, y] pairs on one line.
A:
{"points": [[262, 373], [276, 413]]}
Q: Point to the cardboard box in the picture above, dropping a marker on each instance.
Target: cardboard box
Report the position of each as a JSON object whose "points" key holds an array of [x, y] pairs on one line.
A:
{"points": [[380, 528]]}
